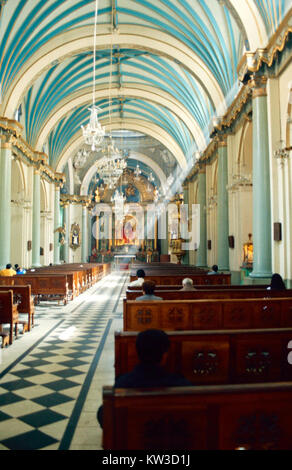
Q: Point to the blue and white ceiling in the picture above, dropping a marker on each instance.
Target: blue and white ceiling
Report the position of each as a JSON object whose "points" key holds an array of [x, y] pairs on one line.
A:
{"points": [[164, 69]]}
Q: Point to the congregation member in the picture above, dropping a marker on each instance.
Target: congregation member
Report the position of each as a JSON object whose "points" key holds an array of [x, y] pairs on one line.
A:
{"points": [[8, 271], [277, 283], [140, 278], [151, 346], [188, 284], [19, 270], [148, 288], [214, 269]]}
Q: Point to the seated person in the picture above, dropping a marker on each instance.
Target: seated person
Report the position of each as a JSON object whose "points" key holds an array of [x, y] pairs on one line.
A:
{"points": [[214, 269], [8, 271], [277, 283], [140, 275], [148, 288], [151, 347], [19, 270], [188, 284]]}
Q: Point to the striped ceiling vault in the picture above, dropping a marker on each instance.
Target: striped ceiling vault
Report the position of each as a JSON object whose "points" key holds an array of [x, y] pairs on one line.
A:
{"points": [[168, 70]]}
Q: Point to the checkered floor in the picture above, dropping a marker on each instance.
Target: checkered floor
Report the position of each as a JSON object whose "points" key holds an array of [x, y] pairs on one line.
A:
{"points": [[44, 384]]}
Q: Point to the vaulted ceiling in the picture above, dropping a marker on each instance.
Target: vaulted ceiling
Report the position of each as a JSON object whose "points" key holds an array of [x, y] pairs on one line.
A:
{"points": [[164, 69]]}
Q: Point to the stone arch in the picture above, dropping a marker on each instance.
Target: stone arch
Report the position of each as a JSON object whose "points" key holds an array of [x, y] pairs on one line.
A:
{"points": [[148, 93], [131, 125], [244, 158], [130, 36]]}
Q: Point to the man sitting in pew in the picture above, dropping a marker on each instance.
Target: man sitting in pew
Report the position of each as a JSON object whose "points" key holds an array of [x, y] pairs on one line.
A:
{"points": [[148, 288], [214, 270], [151, 346], [188, 284], [8, 271], [19, 270], [140, 280]]}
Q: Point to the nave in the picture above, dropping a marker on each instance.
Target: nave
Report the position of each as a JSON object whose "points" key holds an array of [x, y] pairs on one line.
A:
{"points": [[51, 378]]}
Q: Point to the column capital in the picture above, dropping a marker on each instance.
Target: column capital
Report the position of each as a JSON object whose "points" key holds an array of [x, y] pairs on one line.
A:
{"points": [[258, 85]]}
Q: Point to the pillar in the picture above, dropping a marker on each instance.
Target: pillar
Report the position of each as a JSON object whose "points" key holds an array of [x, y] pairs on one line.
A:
{"points": [[57, 225], [201, 260], [67, 228], [186, 258], [262, 228], [36, 219], [5, 202], [84, 235], [222, 208]]}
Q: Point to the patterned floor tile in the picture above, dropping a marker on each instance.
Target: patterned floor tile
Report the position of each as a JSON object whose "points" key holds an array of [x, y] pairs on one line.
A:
{"points": [[40, 395], [32, 440]]}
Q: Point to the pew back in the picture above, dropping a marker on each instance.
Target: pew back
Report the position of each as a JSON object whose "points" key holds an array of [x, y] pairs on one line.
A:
{"points": [[211, 314], [217, 357], [222, 417]]}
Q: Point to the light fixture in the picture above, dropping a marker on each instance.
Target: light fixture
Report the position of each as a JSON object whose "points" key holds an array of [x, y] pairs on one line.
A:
{"points": [[137, 172], [80, 158], [94, 133], [282, 152]]}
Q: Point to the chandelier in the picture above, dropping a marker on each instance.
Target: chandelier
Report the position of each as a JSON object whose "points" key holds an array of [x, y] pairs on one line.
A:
{"points": [[93, 133], [282, 152], [80, 158]]}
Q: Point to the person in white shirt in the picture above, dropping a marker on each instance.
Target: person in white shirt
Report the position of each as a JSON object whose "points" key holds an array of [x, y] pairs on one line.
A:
{"points": [[140, 280], [188, 284]]}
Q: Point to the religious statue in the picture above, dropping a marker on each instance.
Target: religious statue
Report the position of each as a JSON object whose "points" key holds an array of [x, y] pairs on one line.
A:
{"points": [[62, 233], [75, 236], [248, 253]]}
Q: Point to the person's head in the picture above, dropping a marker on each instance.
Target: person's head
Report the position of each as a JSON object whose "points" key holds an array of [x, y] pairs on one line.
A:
{"points": [[187, 282], [16, 266], [277, 282], [8, 266], [215, 268], [140, 273], [148, 287], [151, 345]]}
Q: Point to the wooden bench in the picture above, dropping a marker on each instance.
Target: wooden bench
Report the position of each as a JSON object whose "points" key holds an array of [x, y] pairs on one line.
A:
{"points": [[211, 314], [24, 300], [213, 294], [217, 357], [178, 287], [219, 417], [176, 279], [8, 314], [45, 286]]}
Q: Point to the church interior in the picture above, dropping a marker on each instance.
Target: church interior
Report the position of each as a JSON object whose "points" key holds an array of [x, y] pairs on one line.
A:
{"points": [[151, 136]]}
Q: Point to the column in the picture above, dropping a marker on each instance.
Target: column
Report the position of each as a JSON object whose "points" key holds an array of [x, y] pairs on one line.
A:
{"points": [[36, 219], [186, 258], [201, 260], [163, 231], [57, 225], [89, 233], [222, 208], [67, 228], [84, 235], [262, 226], [5, 202]]}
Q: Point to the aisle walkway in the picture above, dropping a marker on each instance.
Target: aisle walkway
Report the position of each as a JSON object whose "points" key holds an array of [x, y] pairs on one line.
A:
{"points": [[51, 378]]}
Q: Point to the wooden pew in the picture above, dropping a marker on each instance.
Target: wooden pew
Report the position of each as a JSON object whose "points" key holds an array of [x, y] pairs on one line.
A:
{"points": [[219, 417], [213, 294], [211, 314], [217, 357], [8, 313], [24, 300], [176, 279], [203, 287], [46, 285]]}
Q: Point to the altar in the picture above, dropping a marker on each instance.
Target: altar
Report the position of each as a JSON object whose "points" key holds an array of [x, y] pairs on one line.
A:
{"points": [[123, 259]]}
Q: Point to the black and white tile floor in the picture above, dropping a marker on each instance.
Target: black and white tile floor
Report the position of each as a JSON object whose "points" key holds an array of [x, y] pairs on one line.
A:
{"points": [[51, 378]]}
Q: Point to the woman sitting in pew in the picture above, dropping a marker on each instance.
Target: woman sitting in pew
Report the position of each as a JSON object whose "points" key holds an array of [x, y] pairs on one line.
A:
{"points": [[148, 288], [151, 346], [277, 283]]}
